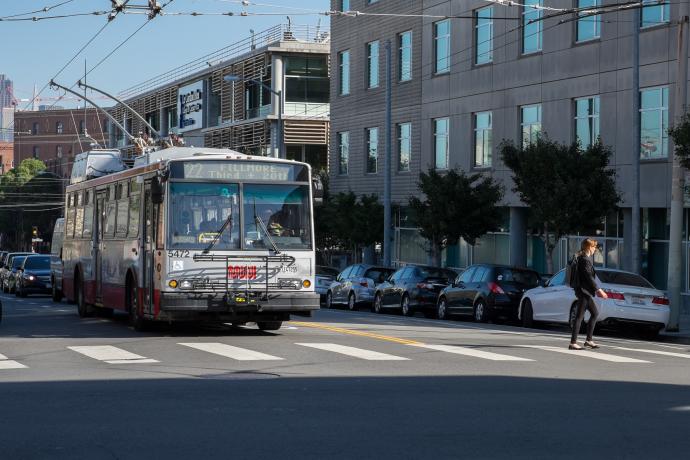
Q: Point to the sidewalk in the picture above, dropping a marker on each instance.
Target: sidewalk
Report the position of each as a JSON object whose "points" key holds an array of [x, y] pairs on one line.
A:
{"points": [[679, 337]]}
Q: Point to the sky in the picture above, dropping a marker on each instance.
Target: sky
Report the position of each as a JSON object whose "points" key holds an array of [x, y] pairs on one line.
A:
{"points": [[34, 51]]}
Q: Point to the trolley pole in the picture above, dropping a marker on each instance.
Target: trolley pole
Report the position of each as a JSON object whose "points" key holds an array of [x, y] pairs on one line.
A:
{"points": [[675, 246], [387, 161]]}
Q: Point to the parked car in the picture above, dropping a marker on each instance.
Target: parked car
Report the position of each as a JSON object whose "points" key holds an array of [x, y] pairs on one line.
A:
{"points": [[14, 272], [487, 291], [356, 285], [56, 264], [33, 276], [324, 277], [413, 288], [6, 269], [632, 300]]}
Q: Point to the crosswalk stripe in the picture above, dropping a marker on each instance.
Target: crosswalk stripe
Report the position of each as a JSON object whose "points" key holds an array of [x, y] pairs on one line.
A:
{"points": [[588, 354], [112, 355], [656, 352], [354, 352], [240, 354], [6, 363], [471, 352]]}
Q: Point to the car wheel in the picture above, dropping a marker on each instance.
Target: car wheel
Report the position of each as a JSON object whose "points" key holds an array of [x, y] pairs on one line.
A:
{"points": [[405, 306], [481, 313], [378, 307], [442, 309], [351, 303], [82, 308], [269, 325], [329, 300], [527, 315]]}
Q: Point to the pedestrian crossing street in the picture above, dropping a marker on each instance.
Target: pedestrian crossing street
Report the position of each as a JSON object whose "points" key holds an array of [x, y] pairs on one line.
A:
{"points": [[408, 353]]}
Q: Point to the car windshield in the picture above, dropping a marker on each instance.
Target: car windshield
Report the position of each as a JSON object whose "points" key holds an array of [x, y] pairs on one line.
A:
{"points": [[439, 273], [17, 261], [624, 278], [522, 277], [379, 275], [326, 271], [284, 211], [37, 263]]}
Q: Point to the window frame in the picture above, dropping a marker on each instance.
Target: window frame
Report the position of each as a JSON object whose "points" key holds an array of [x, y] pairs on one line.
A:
{"points": [[343, 153], [594, 118], [401, 57], [344, 73], [373, 60], [665, 13], [487, 157], [437, 40], [524, 12], [436, 136], [597, 22], [408, 140], [523, 124], [369, 150], [663, 126], [477, 28]]}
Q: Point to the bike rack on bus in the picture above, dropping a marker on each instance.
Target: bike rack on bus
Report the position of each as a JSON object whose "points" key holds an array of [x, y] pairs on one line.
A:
{"points": [[265, 260]]}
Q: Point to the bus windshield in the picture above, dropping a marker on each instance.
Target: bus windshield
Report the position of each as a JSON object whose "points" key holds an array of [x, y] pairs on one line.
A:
{"points": [[284, 211], [198, 211]]}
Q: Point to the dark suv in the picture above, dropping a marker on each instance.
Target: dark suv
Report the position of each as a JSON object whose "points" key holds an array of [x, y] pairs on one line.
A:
{"points": [[413, 288], [487, 291]]}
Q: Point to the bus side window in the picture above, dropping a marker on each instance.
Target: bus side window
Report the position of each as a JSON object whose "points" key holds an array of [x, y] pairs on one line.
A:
{"points": [[159, 226]]}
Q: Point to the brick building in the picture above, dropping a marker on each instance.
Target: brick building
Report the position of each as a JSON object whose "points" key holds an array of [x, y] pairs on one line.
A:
{"points": [[6, 156], [56, 136]]}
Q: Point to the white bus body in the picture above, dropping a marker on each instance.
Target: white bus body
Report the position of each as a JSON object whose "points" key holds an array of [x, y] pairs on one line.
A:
{"points": [[146, 240]]}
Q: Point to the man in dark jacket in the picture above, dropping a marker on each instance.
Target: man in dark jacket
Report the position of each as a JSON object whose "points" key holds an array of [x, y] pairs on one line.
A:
{"points": [[585, 289]]}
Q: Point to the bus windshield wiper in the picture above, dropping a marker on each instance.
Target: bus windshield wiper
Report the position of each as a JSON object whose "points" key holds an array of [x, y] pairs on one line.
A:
{"points": [[228, 222], [259, 221]]}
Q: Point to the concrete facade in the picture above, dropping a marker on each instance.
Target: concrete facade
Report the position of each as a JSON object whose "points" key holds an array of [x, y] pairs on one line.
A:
{"points": [[554, 77]]}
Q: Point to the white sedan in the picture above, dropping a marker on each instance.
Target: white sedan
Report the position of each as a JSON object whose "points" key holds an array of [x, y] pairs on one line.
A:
{"points": [[632, 300]]}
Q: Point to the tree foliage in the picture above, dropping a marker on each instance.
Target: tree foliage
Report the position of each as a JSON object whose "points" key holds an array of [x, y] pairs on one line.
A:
{"points": [[455, 205], [680, 133], [566, 188]]}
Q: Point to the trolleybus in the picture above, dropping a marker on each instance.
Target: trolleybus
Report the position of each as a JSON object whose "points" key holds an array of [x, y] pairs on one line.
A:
{"points": [[192, 234]]}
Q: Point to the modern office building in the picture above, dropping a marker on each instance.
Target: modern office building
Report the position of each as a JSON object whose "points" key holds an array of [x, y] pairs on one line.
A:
{"points": [[285, 66], [6, 104], [468, 74], [56, 136]]}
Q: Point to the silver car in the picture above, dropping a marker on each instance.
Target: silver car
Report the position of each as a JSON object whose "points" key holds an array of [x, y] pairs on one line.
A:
{"points": [[356, 285], [324, 278]]}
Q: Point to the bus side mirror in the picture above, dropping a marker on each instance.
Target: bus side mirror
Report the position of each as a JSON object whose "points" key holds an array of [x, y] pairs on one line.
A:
{"points": [[156, 191], [317, 190]]}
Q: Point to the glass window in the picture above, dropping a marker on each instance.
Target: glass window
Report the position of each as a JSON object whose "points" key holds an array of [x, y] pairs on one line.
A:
{"points": [[558, 279], [655, 13], [36, 151], [122, 217], [283, 210], [479, 274], [442, 46], [134, 207], [405, 56], [466, 276], [110, 215], [82, 127], [59, 127], [373, 64], [37, 263], [87, 232], [482, 139], [654, 123], [623, 278], [58, 151], [372, 150], [379, 275], [588, 25], [345, 5], [531, 26], [404, 146], [526, 278], [343, 152], [531, 123], [79, 222], [344, 65], [34, 128], [306, 80], [587, 120], [484, 32], [441, 137], [346, 273]]}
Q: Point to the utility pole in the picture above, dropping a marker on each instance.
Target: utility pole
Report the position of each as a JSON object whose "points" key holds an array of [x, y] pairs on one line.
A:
{"points": [[675, 246], [635, 238], [387, 161]]}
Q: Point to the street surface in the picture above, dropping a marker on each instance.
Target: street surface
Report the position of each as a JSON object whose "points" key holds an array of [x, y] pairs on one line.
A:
{"points": [[340, 385]]}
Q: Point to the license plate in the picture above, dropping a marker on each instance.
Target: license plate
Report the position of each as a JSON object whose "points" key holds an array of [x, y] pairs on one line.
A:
{"points": [[637, 300]]}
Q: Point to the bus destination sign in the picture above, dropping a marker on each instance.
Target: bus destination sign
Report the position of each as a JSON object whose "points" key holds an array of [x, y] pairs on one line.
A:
{"points": [[240, 170]]}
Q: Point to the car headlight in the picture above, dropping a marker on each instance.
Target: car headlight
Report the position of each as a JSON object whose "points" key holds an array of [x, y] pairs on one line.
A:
{"points": [[186, 284], [31, 277]]}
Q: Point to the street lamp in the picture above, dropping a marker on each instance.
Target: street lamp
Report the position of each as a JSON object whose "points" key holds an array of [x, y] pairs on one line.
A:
{"points": [[279, 94]]}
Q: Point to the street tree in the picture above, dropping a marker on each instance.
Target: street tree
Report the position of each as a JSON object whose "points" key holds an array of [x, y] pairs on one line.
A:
{"points": [[455, 205], [567, 188], [680, 133]]}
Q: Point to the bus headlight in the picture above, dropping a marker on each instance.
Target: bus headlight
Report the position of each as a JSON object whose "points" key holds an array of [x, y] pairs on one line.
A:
{"points": [[185, 284], [306, 284], [172, 284]]}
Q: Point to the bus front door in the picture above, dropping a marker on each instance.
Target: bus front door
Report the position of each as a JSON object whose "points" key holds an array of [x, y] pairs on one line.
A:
{"points": [[99, 220], [149, 242]]}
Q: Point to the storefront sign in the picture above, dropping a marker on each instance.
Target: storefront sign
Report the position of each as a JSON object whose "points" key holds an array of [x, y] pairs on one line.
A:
{"points": [[190, 106]]}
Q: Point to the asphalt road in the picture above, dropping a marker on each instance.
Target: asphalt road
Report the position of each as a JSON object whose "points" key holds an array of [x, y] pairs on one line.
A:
{"points": [[341, 385]]}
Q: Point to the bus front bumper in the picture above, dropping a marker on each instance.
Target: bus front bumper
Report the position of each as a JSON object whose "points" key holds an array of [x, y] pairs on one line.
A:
{"points": [[292, 302]]}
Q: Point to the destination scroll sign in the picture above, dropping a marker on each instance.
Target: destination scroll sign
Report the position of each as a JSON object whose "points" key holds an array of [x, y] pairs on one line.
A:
{"points": [[244, 170]]}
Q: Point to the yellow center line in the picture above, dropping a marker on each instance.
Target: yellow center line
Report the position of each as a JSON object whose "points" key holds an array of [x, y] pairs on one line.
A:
{"points": [[355, 332]]}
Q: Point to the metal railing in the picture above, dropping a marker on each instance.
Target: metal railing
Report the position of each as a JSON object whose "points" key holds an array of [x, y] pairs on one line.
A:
{"points": [[276, 34]]}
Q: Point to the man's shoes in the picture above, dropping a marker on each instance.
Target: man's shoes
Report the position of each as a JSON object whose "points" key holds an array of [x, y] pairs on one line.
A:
{"points": [[574, 346], [590, 344]]}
